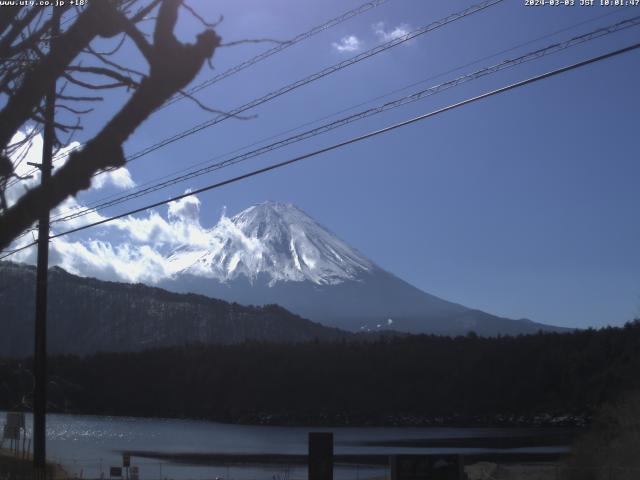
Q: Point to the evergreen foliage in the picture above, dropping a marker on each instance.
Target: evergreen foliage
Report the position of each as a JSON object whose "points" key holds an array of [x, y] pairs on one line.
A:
{"points": [[402, 380]]}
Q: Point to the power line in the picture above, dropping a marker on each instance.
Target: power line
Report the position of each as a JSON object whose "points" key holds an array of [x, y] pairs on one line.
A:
{"points": [[325, 117], [278, 48], [554, 48], [309, 79], [353, 140], [306, 80], [316, 76], [260, 57], [105, 202], [475, 62]]}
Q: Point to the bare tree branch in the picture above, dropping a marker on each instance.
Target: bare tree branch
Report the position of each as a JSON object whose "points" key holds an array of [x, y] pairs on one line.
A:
{"points": [[36, 81], [213, 110], [17, 26], [68, 139], [58, 125], [74, 98], [9, 13], [138, 38], [94, 86], [122, 79], [199, 17], [29, 41], [172, 66], [74, 110], [102, 57], [110, 52], [142, 13]]}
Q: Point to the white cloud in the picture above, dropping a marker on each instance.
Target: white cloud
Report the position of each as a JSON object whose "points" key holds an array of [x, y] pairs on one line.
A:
{"points": [[96, 258], [139, 254], [29, 153], [32, 153], [385, 35], [120, 178], [69, 206], [350, 43], [155, 230], [186, 209], [130, 249]]}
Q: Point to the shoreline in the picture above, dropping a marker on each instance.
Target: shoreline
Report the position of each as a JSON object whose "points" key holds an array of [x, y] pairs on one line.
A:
{"points": [[542, 420], [246, 460], [576, 422]]}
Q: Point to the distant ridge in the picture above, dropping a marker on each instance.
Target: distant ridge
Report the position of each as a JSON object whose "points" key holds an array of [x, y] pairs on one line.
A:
{"points": [[88, 315], [276, 253]]}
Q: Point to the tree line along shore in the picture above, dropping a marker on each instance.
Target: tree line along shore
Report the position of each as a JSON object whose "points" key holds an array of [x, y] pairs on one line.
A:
{"points": [[554, 379]]}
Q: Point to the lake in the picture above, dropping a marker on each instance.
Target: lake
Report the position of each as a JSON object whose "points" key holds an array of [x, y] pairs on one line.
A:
{"points": [[190, 449]]}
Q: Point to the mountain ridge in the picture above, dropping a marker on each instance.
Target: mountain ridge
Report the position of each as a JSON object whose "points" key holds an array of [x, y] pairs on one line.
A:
{"points": [[275, 238], [274, 252], [269, 254], [88, 315]]}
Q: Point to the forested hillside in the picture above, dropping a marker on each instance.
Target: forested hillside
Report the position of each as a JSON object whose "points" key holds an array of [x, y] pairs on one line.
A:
{"points": [[86, 316], [414, 379]]}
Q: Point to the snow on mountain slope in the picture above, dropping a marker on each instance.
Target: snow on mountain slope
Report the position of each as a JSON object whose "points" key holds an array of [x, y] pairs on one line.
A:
{"points": [[276, 253], [274, 239]]}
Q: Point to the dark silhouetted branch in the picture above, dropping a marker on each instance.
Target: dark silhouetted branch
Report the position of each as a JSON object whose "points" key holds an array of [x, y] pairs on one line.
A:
{"points": [[172, 66], [121, 79]]}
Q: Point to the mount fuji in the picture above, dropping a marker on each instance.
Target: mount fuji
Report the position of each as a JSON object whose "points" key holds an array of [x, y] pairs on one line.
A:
{"points": [[274, 253]]}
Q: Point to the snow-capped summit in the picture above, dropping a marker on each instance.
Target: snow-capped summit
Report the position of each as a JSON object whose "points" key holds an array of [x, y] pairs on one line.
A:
{"points": [[274, 239], [275, 253]]}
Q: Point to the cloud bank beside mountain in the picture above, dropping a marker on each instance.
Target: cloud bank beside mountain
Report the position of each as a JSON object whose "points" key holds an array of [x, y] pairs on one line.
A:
{"points": [[129, 249]]}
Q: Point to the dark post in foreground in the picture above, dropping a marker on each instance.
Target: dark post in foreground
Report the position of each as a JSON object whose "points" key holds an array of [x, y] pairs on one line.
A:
{"points": [[40, 348], [320, 456]]}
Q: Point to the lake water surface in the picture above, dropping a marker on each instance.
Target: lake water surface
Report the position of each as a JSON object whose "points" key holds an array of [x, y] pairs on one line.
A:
{"points": [[88, 445]]}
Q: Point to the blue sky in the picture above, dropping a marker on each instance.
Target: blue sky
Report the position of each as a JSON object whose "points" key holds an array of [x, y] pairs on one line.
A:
{"points": [[522, 205]]}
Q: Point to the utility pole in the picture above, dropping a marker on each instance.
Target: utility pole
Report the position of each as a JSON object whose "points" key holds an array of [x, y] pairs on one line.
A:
{"points": [[40, 347]]}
